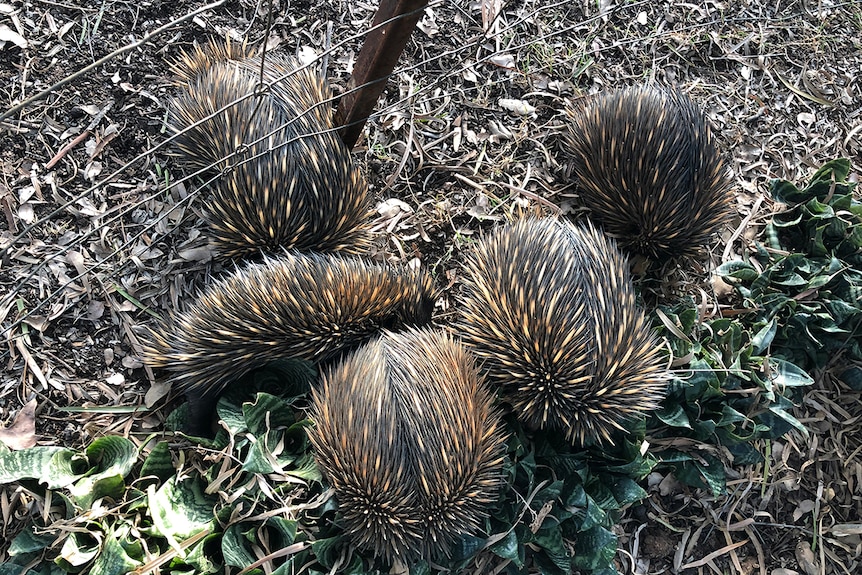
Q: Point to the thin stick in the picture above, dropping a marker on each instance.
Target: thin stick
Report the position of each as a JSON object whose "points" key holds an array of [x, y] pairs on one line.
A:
{"points": [[376, 60]]}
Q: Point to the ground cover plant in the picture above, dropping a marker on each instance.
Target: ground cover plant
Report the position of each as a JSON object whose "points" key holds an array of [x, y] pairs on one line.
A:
{"points": [[753, 463]]}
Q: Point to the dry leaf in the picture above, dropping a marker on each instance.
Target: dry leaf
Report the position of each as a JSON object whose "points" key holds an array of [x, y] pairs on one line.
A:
{"points": [[519, 107], [26, 214], [490, 10], [392, 207], [7, 34], [803, 508], [846, 529], [428, 24], [199, 254], [805, 558], [22, 433], [503, 60], [95, 309], [116, 380], [306, 55]]}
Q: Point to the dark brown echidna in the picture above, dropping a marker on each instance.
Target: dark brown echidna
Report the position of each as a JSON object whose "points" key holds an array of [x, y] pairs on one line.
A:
{"points": [[649, 169], [287, 181], [550, 308], [310, 307], [406, 434]]}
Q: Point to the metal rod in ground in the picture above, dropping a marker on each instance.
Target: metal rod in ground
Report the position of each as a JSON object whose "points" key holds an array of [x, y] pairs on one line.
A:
{"points": [[376, 60]]}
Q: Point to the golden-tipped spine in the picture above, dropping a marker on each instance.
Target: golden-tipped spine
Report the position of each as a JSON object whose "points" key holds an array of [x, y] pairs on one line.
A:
{"points": [[264, 133], [550, 308], [310, 307], [406, 433], [650, 170]]}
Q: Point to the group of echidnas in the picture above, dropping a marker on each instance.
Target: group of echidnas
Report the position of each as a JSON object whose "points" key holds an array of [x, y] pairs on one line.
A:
{"points": [[407, 426]]}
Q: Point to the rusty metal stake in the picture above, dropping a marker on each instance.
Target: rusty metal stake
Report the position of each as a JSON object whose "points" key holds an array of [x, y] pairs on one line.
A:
{"points": [[376, 60]]}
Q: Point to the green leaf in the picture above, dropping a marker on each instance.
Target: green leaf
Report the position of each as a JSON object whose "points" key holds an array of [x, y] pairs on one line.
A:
{"points": [[595, 549], [550, 539], [729, 416], [601, 494], [231, 414], [327, 550], [305, 468], [780, 410], [111, 458], [626, 491], [28, 541], [852, 376], [417, 568], [549, 493], [291, 378], [632, 463], [113, 560], [13, 568], [199, 559], [266, 413], [37, 463], [841, 311], [836, 170], [180, 509], [159, 463], [789, 280], [80, 548], [703, 383], [763, 338], [786, 193], [65, 468], [737, 270], [274, 389], [260, 459], [508, 548], [285, 527], [673, 415], [234, 547], [95, 487], [712, 471], [466, 546], [786, 374], [595, 514], [744, 454]]}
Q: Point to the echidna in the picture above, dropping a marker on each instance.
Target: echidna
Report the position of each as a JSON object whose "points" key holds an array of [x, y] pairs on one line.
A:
{"points": [[406, 434], [650, 170], [287, 180], [550, 308], [310, 307]]}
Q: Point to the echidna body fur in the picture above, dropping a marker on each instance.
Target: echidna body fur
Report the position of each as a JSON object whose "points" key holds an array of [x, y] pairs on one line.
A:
{"points": [[550, 308], [649, 168], [407, 435], [309, 307], [286, 179]]}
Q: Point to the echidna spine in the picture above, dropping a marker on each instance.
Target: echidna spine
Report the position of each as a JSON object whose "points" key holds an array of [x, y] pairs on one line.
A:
{"points": [[550, 308], [406, 432]]}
